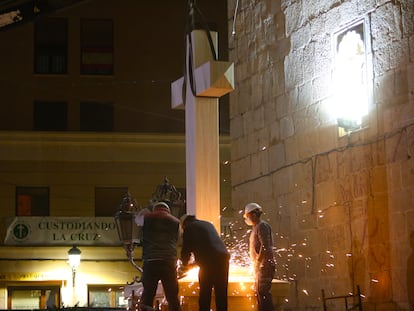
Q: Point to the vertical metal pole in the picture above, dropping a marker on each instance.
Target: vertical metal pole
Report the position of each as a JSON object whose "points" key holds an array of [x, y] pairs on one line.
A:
{"points": [[73, 277]]}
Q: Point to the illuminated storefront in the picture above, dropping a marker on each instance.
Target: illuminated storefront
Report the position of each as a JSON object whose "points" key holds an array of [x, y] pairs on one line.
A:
{"points": [[35, 271]]}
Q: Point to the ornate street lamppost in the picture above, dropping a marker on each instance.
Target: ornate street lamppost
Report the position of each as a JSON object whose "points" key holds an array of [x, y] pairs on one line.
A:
{"points": [[166, 192], [128, 231]]}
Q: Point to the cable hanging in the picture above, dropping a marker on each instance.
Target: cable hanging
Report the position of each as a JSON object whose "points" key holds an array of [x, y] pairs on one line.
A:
{"points": [[194, 12]]}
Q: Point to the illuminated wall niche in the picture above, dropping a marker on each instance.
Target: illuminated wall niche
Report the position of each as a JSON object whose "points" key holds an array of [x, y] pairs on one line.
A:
{"points": [[352, 76]]}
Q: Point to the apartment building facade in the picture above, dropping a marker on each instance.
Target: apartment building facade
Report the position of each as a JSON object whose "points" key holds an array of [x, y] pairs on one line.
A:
{"points": [[85, 120]]}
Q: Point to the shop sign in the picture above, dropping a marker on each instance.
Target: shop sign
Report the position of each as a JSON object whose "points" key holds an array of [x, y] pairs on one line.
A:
{"points": [[62, 231], [26, 276]]}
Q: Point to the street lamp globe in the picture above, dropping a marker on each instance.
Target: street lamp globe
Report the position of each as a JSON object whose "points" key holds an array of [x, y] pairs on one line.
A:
{"points": [[74, 256]]}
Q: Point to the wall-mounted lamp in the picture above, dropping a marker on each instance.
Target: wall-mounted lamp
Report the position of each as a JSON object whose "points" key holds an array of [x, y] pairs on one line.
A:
{"points": [[74, 257], [348, 124], [352, 76]]}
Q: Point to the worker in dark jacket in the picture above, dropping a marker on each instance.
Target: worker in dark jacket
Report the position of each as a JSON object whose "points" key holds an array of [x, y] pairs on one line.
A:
{"points": [[160, 234], [201, 239]]}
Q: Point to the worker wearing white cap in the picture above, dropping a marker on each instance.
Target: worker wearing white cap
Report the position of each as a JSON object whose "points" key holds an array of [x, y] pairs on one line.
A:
{"points": [[261, 255], [160, 234]]}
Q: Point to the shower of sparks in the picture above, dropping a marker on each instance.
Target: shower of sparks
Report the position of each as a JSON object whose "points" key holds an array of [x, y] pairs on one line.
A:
{"points": [[242, 277], [236, 238], [289, 254]]}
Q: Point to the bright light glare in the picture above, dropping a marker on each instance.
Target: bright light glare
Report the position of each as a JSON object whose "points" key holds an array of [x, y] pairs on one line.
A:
{"points": [[350, 98], [236, 275]]}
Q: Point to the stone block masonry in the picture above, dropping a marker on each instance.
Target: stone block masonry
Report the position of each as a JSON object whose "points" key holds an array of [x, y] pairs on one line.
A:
{"points": [[341, 206]]}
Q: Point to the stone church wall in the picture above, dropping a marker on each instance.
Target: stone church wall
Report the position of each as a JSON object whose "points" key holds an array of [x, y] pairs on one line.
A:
{"points": [[341, 205]]}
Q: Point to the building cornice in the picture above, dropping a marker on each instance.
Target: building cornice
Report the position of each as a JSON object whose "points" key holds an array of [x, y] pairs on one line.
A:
{"points": [[94, 147]]}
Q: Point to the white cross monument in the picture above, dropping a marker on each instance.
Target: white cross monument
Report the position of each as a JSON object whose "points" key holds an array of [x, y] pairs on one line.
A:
{"points": [[212, 79]]}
